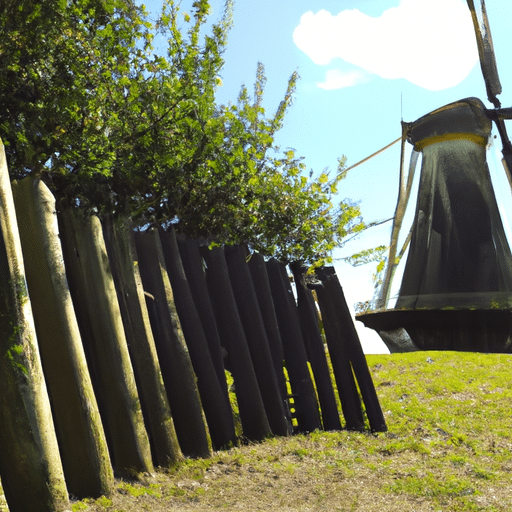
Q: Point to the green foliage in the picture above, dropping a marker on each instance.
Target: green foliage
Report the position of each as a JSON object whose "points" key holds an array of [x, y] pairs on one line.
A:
{"points": [[76, 507], [113, 128], [65, 67], [103, 501], [368, 255], [251, 191], [139, 490], [100, 503]]}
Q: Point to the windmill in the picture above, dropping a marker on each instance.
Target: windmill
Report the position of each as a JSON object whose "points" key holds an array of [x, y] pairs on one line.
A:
{"points": [[456, 290]]}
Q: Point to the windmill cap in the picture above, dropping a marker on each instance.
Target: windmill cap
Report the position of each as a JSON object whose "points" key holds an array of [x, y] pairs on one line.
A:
{"points": [[461, 120]]}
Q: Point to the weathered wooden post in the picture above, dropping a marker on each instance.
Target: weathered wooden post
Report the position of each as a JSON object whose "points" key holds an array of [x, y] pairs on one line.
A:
{"points": [[264, 294], [250, 403], [193, 264], [30, 465], [217, 408], [315, 350], [82, 442], [99, 319], [343, 374], [177, 370], [141, 344], [345, 342], [304, 396], [256, 335]]}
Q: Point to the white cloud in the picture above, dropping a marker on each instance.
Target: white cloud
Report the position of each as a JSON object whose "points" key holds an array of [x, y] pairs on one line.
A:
{"points": [[337, 79], [430, 44]]}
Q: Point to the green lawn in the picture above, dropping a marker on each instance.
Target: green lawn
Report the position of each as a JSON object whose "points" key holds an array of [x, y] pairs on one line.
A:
{"points": [[448, 448]]}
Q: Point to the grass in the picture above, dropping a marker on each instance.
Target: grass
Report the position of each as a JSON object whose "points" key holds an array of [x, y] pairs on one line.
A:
{"points": [[448, 448]]}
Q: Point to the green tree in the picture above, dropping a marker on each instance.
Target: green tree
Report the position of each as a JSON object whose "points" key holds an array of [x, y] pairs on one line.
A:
{"points": [[64, 69], [244, 188], [115, 128], [92, 108]]}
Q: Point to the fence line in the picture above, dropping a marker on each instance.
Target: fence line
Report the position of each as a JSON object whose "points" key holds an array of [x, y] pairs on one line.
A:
{"points": [[153, 320]]}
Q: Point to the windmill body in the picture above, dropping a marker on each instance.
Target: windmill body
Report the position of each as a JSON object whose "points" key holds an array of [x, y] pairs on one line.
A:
{"points": [[458, 242], [456, 289]]}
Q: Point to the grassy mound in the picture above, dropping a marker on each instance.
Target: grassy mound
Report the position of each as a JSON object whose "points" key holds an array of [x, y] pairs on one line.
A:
{"points": [[448, 448]]}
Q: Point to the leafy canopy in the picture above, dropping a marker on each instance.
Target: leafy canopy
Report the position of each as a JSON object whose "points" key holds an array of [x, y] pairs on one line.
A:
{"points": [[115, 128]]}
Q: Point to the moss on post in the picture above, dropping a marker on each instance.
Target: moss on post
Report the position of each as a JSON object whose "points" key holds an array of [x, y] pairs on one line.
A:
{"points": [[82, 442], [99, 318], [30, 465]]}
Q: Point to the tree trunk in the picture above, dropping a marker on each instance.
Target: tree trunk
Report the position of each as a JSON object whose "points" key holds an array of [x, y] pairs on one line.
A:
{"points": [[30, 465], [99, 319], [250, 404], [315, 349], [141, 344], [177, 371], [216, 408], [82, 442], [304, 397], [350, 344], [252, 321]]}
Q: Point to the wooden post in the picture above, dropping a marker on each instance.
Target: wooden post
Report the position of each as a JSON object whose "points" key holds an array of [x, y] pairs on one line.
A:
{"points": [[30, 465], [263, 292], [315, 349], [256, 335], [347, 389], [250, 403], [99, 319], [304, 397], [141, 344], [177, 370], [346, 339], [82, 442], [217, 408], [193, 265]]}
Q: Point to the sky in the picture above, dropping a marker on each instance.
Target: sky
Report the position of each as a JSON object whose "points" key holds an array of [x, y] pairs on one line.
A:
{"points": [[364, 65]]}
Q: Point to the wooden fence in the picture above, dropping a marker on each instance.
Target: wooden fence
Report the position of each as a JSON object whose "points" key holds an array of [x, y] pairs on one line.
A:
{"points": [[114, 347]]}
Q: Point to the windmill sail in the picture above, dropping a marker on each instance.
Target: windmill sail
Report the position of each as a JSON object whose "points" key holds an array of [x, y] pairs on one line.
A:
{"points": [[486, 51]]}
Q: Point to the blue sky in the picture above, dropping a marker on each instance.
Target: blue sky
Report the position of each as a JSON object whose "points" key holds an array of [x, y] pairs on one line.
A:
{"points": [[363, 65]]}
